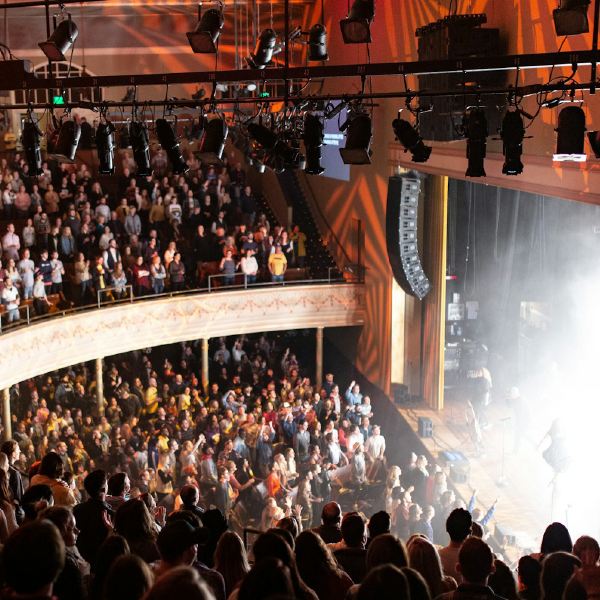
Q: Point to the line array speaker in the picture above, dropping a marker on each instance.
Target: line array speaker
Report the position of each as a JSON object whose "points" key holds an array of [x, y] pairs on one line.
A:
{"points": [[401, 235]]}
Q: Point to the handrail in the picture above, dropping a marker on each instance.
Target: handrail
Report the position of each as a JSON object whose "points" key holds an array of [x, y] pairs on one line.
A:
{"points": [[115, 288], [151, 296]]}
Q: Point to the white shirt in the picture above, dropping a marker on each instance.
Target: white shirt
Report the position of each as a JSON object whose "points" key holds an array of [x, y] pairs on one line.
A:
{"points": [[374, 445], [249, 266], [57, 269], [352, 440], [9, 296], [11, 244]]}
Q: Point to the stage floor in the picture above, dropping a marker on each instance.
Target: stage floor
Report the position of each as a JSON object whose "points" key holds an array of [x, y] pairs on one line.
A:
{"points": [[530, 500]]}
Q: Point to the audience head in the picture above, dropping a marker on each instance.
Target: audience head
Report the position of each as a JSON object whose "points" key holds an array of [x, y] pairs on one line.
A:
{"points": [[268, 579], [95, 484], [556, 539], [129, 578], [502, 581], [557, 568], [35, 499], [385, 582], [586, 549], [354, 530], [529, 571], [417, 586], [181, 582], [458, 525], [380, 523], [178, 542], [384, 549], [331, 514], [475, 561], [52, 466], [423, 558]]}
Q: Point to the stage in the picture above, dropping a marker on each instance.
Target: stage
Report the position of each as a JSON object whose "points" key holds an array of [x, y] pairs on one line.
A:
{"points": [[531, 499]]}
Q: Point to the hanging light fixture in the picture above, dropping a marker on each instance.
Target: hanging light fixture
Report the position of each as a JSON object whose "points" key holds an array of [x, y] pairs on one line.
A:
{"points": [[264, 50], [317, 43], [476, 131], [358, 140], [270, 141], [138, 134], [313, 140], [203, 39], [571, 18], [570, 135], [512, 134], [356, 27], [33, 153], [409, 137], [63, 145], [105, 145], [167, 138], [213, 142], [61, 40]]}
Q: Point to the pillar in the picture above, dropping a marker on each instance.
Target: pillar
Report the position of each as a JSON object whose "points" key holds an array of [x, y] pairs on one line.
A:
{"points": [[6, 416], [434, 304], [205, 366], [99, 387], [319, 379]]}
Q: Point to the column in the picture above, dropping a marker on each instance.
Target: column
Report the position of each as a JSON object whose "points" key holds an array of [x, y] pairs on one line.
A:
{"points": [[434, 304], [6, 416], [205, 365], [319, 378], [99, 387]]}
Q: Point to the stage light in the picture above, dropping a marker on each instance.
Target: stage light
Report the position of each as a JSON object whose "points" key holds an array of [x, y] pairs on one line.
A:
{"points": [[356, 27], [313, 140], [594, 140], [512, 134], [268, 139], [264, 50], [408, 136], [105, 144], [571, 17], [138, 134], [570, 135], [61, 40], [204, 38], [65, 141], [213, 142], [358, 140], [317, 43], [169, 143], [33, 153], [313, 161], [476, 131], [274, 162]]}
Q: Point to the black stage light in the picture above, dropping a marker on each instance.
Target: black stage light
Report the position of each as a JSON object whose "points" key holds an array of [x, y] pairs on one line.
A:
{"points": [[268, 139], [571, 17], [169, 143], [512, 134], [358, 141], [105, 144], [274, 162], [61, 40], [570, 135], [409, 137], [313, 140], [213, 142], [313, 161], [594, 140], [64, 144], [356, 27], [33, 153], [476, 130], [263, 52], [204, 38], [317, 43], [138, 134]]}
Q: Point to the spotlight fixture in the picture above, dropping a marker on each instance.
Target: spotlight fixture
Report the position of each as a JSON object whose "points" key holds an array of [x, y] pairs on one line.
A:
{"points": [[476, 131], [512, 134], [169, 143], [61, 40], [571, 17], [317, 43], [138, 134], [204, 38], [213, 142], [570, 135], [594, 140], [358, 140], [264, 50], [313, 140], [65, 141], [356, 27], [408, 136], [105, 144], [33, 153], [269, 140]]}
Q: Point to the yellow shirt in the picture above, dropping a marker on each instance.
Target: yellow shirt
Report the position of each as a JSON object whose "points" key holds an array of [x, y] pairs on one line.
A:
{"points": [[277, 263], [10, 141]]}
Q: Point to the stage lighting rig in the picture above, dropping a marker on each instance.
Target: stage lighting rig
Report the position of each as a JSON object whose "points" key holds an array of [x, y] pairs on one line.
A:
{"points": [[313, 140], [203, 40], [269, 140], [140, 142], [476, 132], [570, 135], [165, 131], [356, 27], [63, 145], [31, 142], [105, 144], [61, 40], [409, 137], [264, 50], [359, 136], [213, 141], [512, 134], [570, 18]]}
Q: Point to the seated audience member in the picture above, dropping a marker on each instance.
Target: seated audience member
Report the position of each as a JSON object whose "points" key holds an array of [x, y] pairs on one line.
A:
{"points": [[458, 526], [424, 558], [353, 555]]}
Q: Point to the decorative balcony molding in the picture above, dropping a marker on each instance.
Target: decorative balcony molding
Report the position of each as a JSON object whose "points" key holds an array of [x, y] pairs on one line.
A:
{"points": [[61, 342]]}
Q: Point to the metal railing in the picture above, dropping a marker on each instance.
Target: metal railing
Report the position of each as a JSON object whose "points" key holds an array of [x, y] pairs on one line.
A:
{"points": [[20, 308], [106, 291], [209, 289]]}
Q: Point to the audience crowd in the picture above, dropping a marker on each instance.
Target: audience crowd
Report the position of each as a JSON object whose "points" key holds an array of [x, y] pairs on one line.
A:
{"points": [[67, 240]]}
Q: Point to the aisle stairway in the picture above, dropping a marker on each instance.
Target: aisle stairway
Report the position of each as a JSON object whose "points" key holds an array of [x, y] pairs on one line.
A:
{"points": [[319, 261]]}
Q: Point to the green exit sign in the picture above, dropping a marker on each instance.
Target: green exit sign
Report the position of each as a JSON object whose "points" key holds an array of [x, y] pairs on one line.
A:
{"points": [[264, 95], [58, 100]]}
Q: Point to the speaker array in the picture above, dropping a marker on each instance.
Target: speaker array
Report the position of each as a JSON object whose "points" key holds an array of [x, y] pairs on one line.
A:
{"points": [[401, 236]]}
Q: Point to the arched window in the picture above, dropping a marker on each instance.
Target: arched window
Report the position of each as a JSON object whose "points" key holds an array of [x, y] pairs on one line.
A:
{"points": [[59, 69]]}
